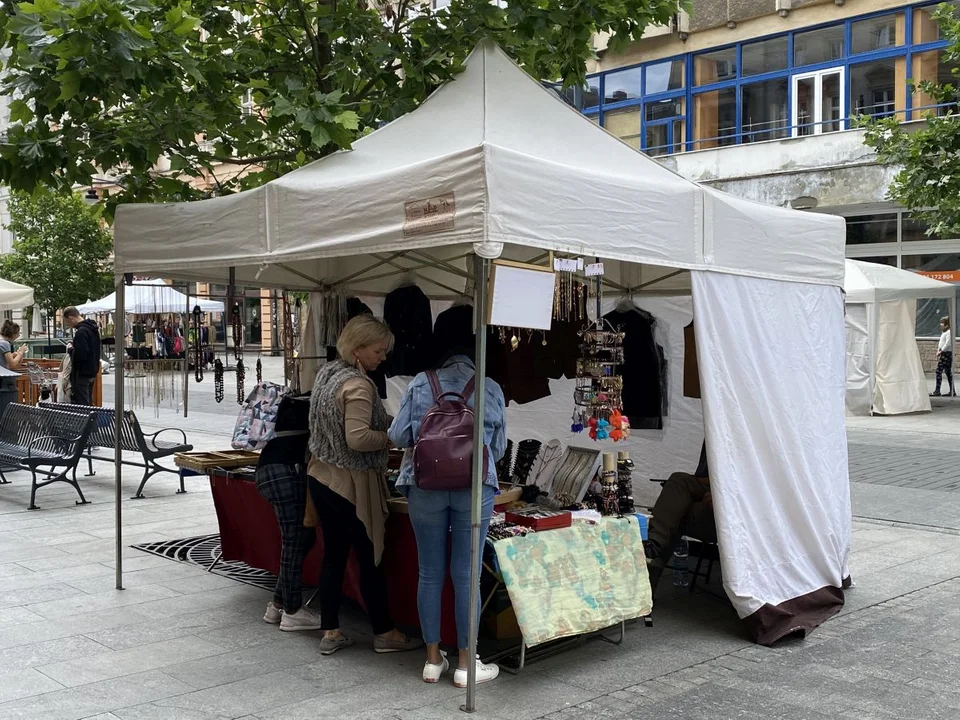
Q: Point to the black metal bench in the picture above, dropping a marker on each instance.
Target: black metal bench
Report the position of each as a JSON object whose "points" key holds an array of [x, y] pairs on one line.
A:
{"points": [[32, 438], [132, 439]]}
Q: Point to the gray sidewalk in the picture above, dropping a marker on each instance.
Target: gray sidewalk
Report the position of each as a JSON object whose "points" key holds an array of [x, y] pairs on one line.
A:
{"points": [[183, 644]]}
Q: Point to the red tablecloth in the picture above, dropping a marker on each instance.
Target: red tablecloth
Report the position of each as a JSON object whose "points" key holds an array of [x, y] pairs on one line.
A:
{"points": [[249, 533]]}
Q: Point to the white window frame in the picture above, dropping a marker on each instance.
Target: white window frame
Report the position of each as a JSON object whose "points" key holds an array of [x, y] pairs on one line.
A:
{"points": [[818, 120]]}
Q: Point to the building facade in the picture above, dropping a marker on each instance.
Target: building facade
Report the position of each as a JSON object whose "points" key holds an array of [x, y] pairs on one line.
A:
{"points": [[760, 98]]}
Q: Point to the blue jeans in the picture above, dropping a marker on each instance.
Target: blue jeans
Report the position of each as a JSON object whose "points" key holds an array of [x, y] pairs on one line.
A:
{"points": [[435, 515]]}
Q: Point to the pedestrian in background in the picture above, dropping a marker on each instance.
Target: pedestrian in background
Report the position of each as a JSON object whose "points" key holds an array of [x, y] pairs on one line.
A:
{"points": [[84, 352], [945, 357]]}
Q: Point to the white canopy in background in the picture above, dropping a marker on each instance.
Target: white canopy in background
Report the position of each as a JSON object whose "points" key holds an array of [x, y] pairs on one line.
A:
{"points": [[494, 164], [149, 297], [884, 371], [14, 296]]}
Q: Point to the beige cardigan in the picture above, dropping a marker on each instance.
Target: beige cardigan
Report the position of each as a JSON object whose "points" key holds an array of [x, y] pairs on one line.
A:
{"points": [[365, 489]]}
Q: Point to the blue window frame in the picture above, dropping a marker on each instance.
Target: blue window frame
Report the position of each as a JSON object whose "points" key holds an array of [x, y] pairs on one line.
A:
{"points": [[770, 87]]}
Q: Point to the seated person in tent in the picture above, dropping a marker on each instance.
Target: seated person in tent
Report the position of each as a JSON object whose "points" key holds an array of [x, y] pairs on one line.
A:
{"points": [[685, 507]]}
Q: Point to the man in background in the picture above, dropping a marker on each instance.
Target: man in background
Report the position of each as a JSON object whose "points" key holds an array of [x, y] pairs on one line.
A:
{"points": [[84, 354]]}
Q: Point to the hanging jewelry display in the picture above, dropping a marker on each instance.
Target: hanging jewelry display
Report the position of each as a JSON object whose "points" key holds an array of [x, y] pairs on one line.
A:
{"points": [[197, 346], [625, 483], [218, 380], [291, 366], [237, 321], [259, 371], [597, 396]]}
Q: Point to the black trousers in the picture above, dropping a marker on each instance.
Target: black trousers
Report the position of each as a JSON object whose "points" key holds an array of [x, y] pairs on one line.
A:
{"points": [[285, 488], [81, 392], [680, 510], [945, 367], [343, 531]]}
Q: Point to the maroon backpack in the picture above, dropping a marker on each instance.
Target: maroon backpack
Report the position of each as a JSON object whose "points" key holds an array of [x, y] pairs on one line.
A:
{"points": [[443, 454]]}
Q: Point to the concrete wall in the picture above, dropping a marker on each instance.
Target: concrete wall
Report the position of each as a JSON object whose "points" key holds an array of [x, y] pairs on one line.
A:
{"points": [[792, 172], [928, 354]]}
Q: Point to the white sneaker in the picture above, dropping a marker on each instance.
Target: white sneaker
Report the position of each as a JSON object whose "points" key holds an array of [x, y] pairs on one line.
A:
{"points": [[303, 619], [432, 673], [273, 614], [485, 673]]}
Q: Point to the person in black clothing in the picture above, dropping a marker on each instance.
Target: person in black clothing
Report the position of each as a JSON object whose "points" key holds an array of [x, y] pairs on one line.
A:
{"points": [[282, 481], [84, 354]]}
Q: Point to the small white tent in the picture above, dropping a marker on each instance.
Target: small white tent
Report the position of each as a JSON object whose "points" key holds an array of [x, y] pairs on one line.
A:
{"points": [[149, 297], [14, 296], [492, 165], [884, 371]]}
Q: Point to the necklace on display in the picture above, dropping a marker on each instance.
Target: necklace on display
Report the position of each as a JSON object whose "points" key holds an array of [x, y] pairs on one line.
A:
{"points": [[197, 346], [241, 376], [218, 380]]}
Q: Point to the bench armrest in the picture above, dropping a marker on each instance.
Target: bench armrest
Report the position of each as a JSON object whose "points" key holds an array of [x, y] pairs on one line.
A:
{"points": [[152, 437], [67, 443]]}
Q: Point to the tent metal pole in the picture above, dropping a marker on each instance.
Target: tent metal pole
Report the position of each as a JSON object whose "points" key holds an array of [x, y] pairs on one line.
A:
{"points": [[185, 325], [953, 328], [476, 502], [119, 321], [873, 323]]}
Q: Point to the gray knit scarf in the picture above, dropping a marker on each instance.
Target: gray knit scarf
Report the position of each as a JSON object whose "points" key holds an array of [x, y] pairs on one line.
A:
{"points": [[328, 437]]}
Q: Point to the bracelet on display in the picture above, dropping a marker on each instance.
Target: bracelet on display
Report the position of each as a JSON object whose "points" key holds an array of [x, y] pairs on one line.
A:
{"points": [[218, 380]]}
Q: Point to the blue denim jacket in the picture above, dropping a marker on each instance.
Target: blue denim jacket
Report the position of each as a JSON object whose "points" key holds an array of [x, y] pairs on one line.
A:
{"points": [[418, 399]]}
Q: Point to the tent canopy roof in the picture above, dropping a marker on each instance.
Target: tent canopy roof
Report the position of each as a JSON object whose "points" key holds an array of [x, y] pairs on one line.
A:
{"points": [[149, 297], [493, 163], [867, 282], [14, 296]]}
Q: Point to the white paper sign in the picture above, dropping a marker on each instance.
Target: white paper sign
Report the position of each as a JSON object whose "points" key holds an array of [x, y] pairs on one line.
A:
{"points": [[521, 297], [565, 265], [594, 270]]}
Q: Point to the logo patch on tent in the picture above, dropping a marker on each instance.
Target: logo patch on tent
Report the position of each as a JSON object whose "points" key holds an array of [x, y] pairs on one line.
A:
{"points": [[433, 215]]}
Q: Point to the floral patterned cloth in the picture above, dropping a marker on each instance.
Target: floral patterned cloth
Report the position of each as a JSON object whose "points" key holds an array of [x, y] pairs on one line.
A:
{"points": [[575, 580]]}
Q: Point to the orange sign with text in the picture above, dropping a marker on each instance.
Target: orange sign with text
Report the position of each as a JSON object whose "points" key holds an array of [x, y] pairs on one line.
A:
{"points": [[950, 276]]}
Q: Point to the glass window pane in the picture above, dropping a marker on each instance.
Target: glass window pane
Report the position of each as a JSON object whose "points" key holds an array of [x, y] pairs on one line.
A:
{"points": [[830, 103], [941, 267], [714, 67], [663, 109], [763, 57], [890, 260], [818, 46], [763, 110], [590, 97], [878, 89], [864, 229], [664, 138], [934, 67], [925, 28], [625, 124], [914, 229], [877, 33], [622, 85], [664, 77], [715, 118]]}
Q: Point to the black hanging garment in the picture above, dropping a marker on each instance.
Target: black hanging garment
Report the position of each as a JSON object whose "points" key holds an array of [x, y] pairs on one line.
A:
{"points": [[644, 370], [515, 370], [407, 311], [355, 307]]}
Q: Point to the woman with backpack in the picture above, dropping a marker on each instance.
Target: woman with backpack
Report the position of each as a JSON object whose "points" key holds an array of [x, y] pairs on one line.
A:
{"points": [[348, 444], [438, 514]]}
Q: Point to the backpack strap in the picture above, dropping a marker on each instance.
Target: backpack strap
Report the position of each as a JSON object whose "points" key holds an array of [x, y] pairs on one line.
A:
{"points": [[434, 384], [468, 388]]}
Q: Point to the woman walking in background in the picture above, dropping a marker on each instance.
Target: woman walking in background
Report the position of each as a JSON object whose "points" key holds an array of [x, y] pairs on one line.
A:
{"points": [[348, 441], [945, 357]]}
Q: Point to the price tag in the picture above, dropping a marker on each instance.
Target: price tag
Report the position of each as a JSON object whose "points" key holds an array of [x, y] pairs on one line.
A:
{"points": [[565, 265], [593, 270]]}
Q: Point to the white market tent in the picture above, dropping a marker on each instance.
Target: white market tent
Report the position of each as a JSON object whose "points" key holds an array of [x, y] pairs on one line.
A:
{"points": [[493, 165], [149, 297], [14, 296], [884, 371]]}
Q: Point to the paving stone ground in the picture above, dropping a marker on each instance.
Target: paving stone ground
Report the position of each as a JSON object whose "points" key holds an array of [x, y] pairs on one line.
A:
{"points": [[181, 644]]}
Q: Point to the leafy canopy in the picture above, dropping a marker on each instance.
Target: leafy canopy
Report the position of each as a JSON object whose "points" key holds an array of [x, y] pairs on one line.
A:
{"points": [[253, 88], [929, 181], [60, 249]]}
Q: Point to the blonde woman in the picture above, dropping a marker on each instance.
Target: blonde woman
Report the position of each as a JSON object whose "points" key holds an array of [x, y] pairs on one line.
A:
{"points": [[348, 444]]}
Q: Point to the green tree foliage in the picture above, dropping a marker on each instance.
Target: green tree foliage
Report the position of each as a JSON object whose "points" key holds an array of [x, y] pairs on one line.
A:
{"points": [[60, 249], [929, 181], [107, 84]]}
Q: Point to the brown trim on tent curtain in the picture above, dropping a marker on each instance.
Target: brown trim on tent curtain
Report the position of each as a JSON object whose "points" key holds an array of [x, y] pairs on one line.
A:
{"points": [[799, 615]]}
